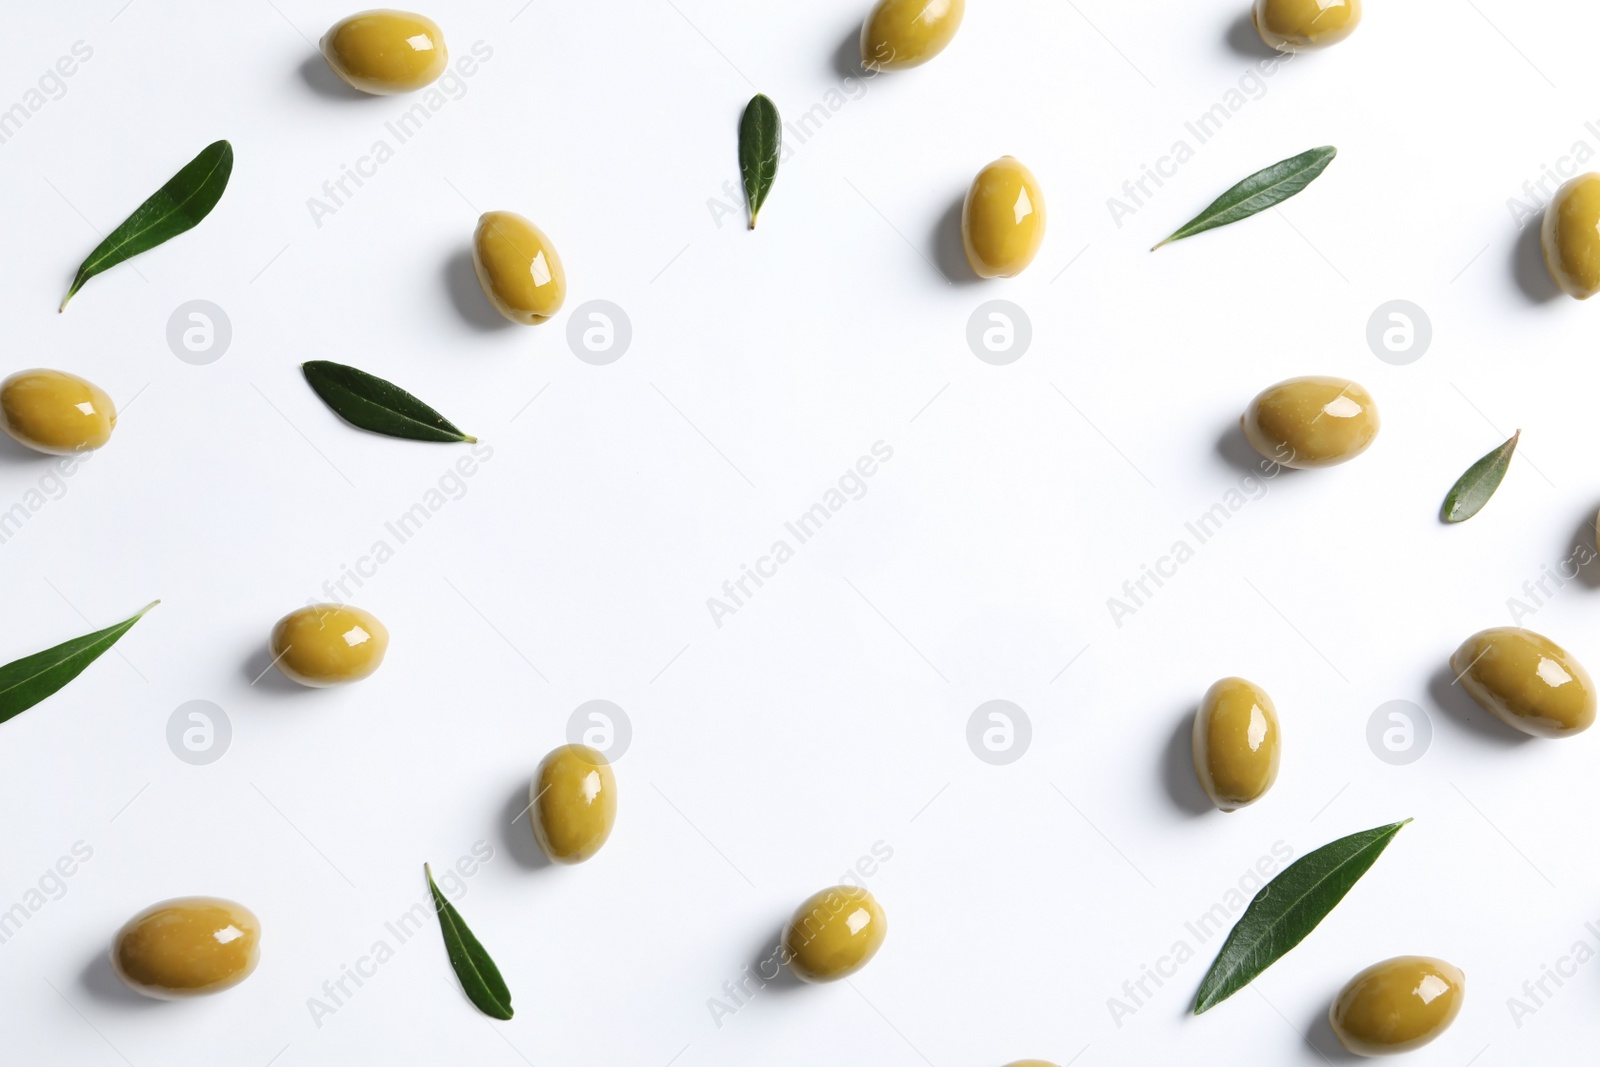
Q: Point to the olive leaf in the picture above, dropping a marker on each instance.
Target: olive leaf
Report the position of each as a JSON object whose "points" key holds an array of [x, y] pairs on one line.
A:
{"points": [[25, 682], [1474, 488], [480, 978], [177, 206], [367, 401], [1288, 908], [1258, 192], [760, 142]]}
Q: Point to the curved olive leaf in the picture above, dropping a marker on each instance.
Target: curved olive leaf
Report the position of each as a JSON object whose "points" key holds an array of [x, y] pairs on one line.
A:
{"points": [[760, 142], [367, 401], [25, 682], [1258, 192], [1474, 488], [480, 978], [1288, 908], [177, 206]]}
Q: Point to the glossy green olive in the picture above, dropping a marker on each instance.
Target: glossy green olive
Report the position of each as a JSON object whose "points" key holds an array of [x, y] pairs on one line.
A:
{"points": [[328, 644], [518, 267], [1002, 219], [1302, 25], [1236, 743], [572, 801], [1311, 422], [1527, 681], [187, 947], [899, 34], [834, 934], [56, 412], [1570, 236], [1397, 1005], [385, 52]]}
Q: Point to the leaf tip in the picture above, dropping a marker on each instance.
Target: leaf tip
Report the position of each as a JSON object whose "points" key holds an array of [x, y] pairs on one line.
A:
{"points": [[469, 439], [146, 608]]}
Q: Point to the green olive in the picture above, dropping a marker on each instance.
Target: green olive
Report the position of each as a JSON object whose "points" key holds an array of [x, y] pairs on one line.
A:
{"points": [[1571, 236], [834, 934], [899, 34], [1002, 219], [1527, 681], [1397, 1005], [56, 412], [573, 803], [1302, 25], [187, 947], [1311, 422], [1237, 743], [385, 52], [328, 644], [518, 268]]}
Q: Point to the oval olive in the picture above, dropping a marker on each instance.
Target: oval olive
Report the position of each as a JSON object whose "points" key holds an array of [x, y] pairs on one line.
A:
{"points": [[1002, 219], [1237, 743], [328, 644], [1527, 681], [187, 947], [899, 34], [1397, 1005], [518, 268], [1313, 421], [385, 52], [1302, 25], [834, 934], [1570, 236], [573, 802], [56, 412]]}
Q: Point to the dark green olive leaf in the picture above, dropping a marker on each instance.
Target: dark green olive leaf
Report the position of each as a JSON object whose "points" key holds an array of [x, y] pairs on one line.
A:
{"points": [[1258, 192], [177, 206], [1474, 488], [367, 401], [1288, 908], [480, 978], [760, 142], [27, 681]]}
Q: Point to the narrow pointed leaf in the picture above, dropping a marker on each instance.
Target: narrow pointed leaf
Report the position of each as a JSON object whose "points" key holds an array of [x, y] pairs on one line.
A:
{"points": [[25, 682], [1288, 908], [367, 401], [760, 142], [1258, 192], [1474, 488], [480, 978], [177, 206]]}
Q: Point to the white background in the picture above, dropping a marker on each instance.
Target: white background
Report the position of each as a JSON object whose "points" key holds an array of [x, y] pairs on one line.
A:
{"points": [[830, 712]]}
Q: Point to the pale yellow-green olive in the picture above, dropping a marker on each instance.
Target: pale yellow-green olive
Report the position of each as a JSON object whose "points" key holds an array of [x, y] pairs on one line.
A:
{"points": [[834, 934], [1527, 681], [572, 801], [385, 52], [187, 947], [56, 412], [518, 268], [899, 34], [1302, 25], [1002, 219], [1236, 743], [1397, 1005], [1571, 236], [1310, 422], [328, 644]]}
